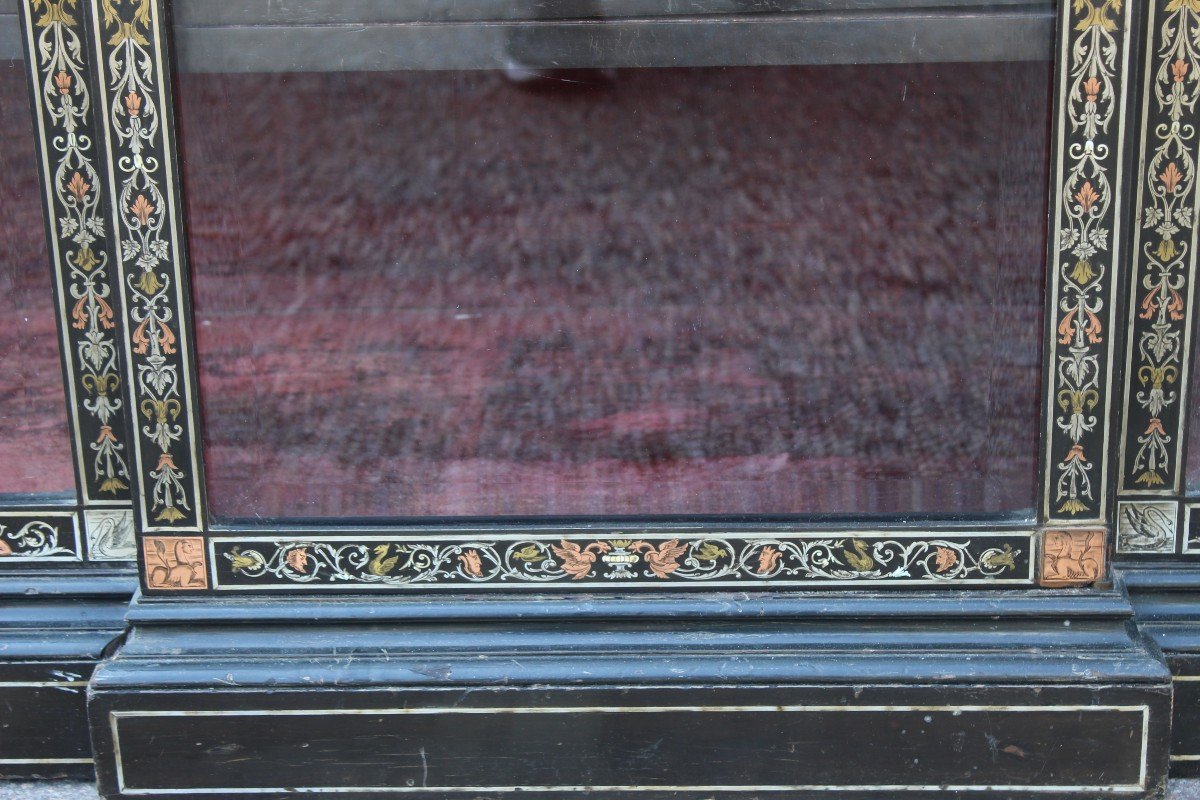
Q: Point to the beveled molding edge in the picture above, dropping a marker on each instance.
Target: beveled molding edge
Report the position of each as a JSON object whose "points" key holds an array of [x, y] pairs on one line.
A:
{"points": [[1086, 192]]}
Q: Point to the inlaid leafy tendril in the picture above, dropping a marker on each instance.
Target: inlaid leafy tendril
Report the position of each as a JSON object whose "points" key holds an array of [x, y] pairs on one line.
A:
{"points": [[77, 224], [1085, 244], [633, 559], [1162, 294], [150, 266]]}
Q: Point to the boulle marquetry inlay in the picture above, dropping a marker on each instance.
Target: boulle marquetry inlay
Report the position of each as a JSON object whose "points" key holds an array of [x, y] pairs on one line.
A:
{"points": [[1085, 200], [110, 534], [1163, 284], [136, 109], [39, 534], [1073, 557], [1146, 527], [174, 562], [620, 559], [78, 238]]}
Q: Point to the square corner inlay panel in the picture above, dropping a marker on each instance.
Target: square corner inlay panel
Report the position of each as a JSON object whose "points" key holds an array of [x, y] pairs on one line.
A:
{"points": [[1146, 527]]}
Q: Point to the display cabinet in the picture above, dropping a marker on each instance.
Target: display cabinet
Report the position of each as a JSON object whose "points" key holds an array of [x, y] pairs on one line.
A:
{"points": [[695, 399], [66, 521]]}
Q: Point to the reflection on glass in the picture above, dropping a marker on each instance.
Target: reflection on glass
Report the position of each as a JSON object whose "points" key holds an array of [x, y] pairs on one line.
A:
{"points": [[782, 290], [35, 453]]}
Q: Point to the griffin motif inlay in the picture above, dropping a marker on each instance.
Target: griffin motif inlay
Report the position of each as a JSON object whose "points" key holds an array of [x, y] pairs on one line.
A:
{"points": [[127, 36], [175, 562], [1084, 238], [1163, 286], [1072, 557]]}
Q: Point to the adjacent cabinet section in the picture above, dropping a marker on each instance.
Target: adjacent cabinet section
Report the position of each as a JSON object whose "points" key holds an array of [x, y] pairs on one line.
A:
{"points": [[66, 524]]}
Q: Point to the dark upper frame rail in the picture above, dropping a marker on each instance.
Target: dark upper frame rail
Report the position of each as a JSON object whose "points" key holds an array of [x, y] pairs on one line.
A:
{"points": [[371, 35]]}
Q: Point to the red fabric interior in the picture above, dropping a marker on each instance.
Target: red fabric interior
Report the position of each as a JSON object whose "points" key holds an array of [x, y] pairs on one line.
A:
{"points": [[35, 451], [781, 290]]}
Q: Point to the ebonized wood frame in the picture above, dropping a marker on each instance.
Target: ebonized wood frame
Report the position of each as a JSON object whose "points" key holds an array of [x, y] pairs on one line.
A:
{"points": [[250, 676], [183, 551]]}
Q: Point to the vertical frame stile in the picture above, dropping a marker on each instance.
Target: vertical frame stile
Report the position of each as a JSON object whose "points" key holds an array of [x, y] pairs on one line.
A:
{"points": [[1162, 290], [1091, 89], [134, 106], [86, 305]]}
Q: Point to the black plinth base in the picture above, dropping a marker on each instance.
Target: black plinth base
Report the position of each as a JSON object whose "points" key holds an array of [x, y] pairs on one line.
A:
{"points": [[996, 695], [57, 626], [1167, 602]]}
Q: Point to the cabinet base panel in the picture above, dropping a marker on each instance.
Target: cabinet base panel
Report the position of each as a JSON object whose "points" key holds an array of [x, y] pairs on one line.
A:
{"points": [[53, 636], [1166, 600], [868, 704]]}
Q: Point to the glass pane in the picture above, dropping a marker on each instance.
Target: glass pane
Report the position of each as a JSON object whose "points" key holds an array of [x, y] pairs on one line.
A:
{"points": [[719, 290], [35, 450]]}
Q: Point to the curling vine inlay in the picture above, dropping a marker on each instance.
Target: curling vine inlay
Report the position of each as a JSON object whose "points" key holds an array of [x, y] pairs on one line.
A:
{"points": [[41, 535], [1092, 90], [1163, 284], [651, 559], [72, 184], [140, 154]]}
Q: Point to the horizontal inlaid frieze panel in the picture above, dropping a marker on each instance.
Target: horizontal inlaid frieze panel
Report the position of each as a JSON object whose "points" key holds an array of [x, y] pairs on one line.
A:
{"points": [[616, 559], [39, 535]]}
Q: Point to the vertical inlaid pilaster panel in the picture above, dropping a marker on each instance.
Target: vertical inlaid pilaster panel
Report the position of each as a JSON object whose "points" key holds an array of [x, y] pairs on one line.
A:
{"points": [[1091, 90], [134, 97], [1162, 285], [87, 305]]}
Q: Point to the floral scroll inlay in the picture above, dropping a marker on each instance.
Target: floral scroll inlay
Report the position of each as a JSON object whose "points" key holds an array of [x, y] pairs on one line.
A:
{"points": [[1081, 270], [63, 111], [1163, 280], [137, 123], [36, 538], [640, 560]]}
